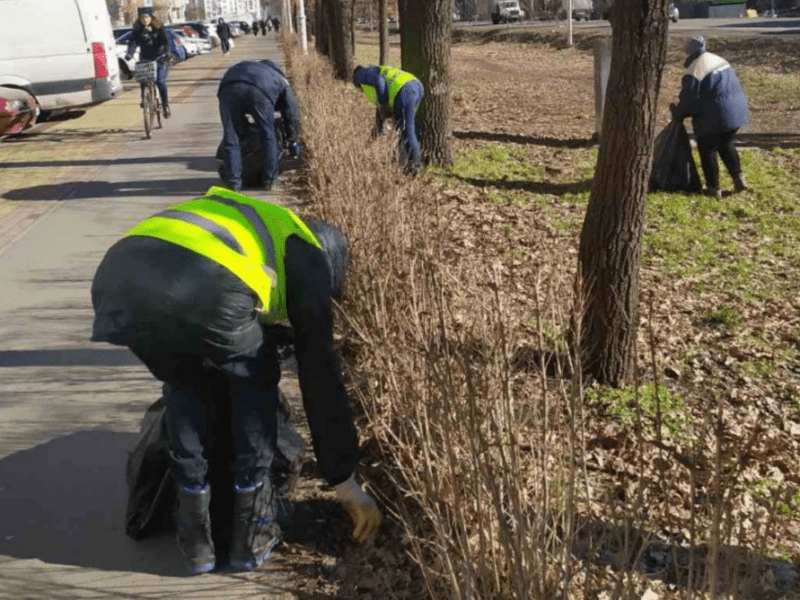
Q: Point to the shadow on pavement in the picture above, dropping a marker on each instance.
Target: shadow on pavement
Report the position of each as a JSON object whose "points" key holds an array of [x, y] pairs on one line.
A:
{"points": [[69, 357], [195, 163], [64, 503], [74, 190]]}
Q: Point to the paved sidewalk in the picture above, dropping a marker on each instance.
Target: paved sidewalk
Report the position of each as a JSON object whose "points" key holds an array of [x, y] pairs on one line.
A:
{"points": [[70, 409]]}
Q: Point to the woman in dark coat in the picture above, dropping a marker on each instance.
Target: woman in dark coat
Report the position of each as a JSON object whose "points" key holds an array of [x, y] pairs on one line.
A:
{"points": [[150, 37]]}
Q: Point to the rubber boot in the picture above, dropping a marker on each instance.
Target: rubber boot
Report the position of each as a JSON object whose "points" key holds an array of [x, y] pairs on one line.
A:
{"points": [[739, 184], [255, 532], [194, 529]]}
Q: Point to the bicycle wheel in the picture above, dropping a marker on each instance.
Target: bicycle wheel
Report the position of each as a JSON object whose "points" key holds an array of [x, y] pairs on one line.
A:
{"points": [[147, 103]]}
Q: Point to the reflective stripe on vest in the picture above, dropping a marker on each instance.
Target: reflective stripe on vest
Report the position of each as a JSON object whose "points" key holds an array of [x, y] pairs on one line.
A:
{"points": [[395, 79], [244, 235]]}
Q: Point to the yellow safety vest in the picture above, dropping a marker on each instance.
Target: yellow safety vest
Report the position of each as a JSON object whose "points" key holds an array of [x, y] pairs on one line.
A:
{"points": [[395, 79], [244, 235]]}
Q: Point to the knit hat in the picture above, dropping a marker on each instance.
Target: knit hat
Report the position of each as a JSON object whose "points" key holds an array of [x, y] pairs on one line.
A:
{"points": [[695, 45], [145, 10]]}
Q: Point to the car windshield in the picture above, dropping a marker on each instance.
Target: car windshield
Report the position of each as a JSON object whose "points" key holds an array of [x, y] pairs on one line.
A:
{"points": [[124, 38]]}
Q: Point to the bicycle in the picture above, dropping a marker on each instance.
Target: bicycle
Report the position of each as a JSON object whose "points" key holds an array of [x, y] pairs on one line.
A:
{"points": [[146, 73]]}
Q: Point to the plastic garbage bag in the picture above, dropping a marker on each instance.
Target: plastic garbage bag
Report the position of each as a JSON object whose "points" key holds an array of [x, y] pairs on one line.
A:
{"points": [[253, 154], [673, 165], [152, 491]]}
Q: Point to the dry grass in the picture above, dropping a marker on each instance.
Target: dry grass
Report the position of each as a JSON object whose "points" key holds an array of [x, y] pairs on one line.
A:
{"points": [[508, 475]]}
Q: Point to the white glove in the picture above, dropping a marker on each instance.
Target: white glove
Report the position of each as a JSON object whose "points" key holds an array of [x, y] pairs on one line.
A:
{"points": [[361, 508]]}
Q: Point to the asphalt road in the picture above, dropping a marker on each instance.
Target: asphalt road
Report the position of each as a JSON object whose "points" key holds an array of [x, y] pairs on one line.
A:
{"points": [[684, 27]]}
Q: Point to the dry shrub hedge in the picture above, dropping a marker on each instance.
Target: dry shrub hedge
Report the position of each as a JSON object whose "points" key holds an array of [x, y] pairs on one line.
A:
{"points": [[483, 457]]}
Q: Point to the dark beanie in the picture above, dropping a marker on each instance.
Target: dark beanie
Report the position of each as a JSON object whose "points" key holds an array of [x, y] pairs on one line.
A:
{"points": [[695, 45], [145, 10]]}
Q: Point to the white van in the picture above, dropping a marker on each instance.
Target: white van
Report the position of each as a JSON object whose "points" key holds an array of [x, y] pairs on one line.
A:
{"points": [[60, 51]]}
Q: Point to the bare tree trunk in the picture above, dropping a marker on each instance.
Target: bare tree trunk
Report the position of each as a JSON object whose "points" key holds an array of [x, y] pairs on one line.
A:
{"points": [[426, 27], [611, 239], [383, 33], [339, 17]]}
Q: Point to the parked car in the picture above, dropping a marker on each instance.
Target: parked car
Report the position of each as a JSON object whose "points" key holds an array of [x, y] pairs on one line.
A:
{"points": [[194, 44], [18, 110], [506, 11], [673, 13], [61, 53]]}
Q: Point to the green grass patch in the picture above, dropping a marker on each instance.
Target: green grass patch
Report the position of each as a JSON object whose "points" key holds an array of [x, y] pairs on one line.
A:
{"points": [[745, 241], [676, 420]]}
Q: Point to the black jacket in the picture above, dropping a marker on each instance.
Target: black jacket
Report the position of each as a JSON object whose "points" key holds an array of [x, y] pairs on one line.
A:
{"points": [[157, 297], [268, 77], [223, 31], [152, 43]]}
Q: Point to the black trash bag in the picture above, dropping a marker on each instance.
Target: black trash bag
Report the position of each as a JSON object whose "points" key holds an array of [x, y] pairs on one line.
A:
{"points": [[151, 489], [673, 165], [253, 155], [152, 492]]}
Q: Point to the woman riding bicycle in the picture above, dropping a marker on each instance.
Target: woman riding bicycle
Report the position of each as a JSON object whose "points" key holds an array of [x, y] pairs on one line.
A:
{"points": [[151, 38]]}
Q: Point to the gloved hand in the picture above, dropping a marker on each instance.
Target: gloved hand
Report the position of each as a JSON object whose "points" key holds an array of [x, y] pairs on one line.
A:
{"points": [[361, 508], [295, 149], [128, 56], [673, 110]]}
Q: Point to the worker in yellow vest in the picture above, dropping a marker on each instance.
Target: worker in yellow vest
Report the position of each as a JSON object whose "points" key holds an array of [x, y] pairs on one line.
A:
{"points": [[397, 94], [192, 291]]}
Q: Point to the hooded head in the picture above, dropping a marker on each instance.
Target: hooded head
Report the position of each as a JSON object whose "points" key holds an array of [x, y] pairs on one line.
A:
{"points": [[337, 257], [356, 81], [695, 45]]}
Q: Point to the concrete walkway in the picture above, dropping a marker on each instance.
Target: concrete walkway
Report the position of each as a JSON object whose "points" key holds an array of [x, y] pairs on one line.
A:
{"points": [[70, 409]]}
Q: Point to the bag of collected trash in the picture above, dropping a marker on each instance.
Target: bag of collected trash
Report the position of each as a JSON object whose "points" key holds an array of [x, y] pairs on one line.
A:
{"points": [[673, 165], [253, 155], [152, 492]]}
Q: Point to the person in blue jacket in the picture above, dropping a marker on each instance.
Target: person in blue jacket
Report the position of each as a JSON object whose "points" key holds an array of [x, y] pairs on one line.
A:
{"points": [[258, 89], [194, 291], [151, 38], [712, 95], [397, 94]]}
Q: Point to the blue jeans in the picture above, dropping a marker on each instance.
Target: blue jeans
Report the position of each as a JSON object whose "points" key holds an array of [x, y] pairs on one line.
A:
{"points": [[235, 101], [405, 108], [161, 82]]}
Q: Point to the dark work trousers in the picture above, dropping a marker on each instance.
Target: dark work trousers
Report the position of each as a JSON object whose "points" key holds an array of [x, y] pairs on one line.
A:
{"points": [[252, 383], [235, 100], [405, 108], [708, 146], [224, 44]]}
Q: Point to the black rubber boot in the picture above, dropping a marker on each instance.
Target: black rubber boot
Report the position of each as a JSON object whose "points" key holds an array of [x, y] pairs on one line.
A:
{"points": [[194, 529], [255, 532]]}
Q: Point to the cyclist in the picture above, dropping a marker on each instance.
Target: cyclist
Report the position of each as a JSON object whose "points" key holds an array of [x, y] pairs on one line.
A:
{"points": [[151, 38]]}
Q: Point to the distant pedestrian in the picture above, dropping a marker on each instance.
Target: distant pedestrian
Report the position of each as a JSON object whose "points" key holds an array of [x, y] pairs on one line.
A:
{"points": [[263, 24], [712, 95], [255, 28], [395, 94], [224, 34], [276, 24]]}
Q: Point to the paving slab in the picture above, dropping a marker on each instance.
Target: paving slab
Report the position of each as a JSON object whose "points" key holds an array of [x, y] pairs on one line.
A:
{"points": [[69, 408]]}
